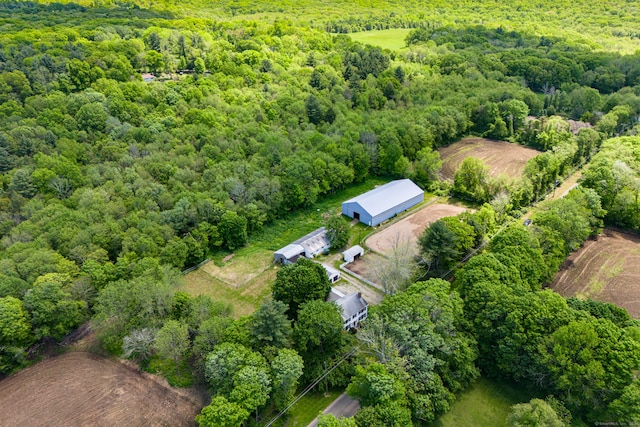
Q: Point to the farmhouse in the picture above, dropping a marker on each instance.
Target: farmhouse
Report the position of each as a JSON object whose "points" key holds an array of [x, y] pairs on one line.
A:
{"points": [[354, 307], [307, 246], [384, 202], [353, 253]]}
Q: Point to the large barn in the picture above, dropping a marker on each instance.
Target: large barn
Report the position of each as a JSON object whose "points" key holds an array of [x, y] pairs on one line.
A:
{"points": [[382, 203]]}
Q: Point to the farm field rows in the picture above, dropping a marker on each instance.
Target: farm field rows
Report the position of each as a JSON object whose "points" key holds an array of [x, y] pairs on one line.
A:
{"points": [[502, 158], [605, 269], [79, 388]]}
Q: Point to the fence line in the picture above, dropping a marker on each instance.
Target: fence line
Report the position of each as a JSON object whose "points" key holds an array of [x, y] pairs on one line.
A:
{"points": [[195, 267]]}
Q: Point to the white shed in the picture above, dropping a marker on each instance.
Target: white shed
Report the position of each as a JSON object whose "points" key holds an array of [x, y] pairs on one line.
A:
{"points": [[353, 253], [332, 274]]}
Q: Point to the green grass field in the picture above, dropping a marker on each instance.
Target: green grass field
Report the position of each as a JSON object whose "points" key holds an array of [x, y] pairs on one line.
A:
{"points": [[307, 408], [392, 39], [486, 403]]}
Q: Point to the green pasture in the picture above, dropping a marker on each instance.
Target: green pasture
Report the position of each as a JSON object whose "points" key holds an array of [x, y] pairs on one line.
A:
{"points": [[393, 39]]}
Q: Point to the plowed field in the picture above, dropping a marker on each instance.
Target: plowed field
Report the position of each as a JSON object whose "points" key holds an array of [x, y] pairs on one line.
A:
{"points": [[606, 269], [83, 389], [501, 157], [411, 227]]}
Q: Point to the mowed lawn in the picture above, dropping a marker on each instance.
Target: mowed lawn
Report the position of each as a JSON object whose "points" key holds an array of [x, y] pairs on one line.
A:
{"points": [[243, 278], [393, 39], [307, 408], [486, 403]]}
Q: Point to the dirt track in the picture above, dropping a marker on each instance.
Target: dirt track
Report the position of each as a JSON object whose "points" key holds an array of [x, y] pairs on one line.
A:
{"points": [[83, 389], [501, 157], [411, 227], [606, 269]]}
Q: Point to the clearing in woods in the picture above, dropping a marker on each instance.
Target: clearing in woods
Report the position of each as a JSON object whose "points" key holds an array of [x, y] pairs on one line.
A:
{"points": [[605, 269], [392, 39], [244, 281], [85, 389], [502, 158]]}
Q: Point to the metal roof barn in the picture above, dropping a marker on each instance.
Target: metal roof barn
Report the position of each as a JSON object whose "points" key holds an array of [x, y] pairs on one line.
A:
{"points": [[384, 202], [308, 246]]}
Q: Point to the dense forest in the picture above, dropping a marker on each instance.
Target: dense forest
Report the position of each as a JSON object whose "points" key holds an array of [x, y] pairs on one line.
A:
{"points": [[110, 184]]}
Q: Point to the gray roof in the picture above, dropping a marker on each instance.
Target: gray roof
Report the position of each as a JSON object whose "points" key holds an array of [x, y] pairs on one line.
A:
{"points": [[290, 251], [311, 242], [331, 271], [334, 295], [387, 196], [315, 234], [353, 251], [351, 304], [314, 241]]}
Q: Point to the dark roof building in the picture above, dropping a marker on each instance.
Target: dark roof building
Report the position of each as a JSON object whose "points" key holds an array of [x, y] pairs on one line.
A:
{"points": [[384, 202]]}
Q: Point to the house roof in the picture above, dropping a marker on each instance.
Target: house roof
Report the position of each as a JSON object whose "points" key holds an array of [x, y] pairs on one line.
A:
{"points": [[334, 295], [351, 304], [387, 196], [353, 251], [290, 251]]}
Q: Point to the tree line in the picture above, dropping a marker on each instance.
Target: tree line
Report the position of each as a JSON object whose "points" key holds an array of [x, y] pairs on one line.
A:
{"points": [[110, 185]]}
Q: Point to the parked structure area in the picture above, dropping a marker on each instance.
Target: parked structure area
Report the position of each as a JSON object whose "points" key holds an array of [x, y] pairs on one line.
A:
{"points": [[384, 202]]}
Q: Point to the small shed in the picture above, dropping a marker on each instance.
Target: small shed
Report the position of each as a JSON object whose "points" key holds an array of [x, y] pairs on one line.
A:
{"points": [[353, 253], [332, 274], [384, 202]]}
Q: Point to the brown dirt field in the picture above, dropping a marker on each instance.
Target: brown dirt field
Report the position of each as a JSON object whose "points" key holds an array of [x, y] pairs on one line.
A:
{"points": [[411, 227], [365, 266], [500, 156], [84, 389], [605, 269]]}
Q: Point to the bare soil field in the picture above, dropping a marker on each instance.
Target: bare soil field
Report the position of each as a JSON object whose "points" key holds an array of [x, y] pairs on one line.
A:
{"points": [[411, 227], [605, 269], [502, 158], [366, 266], [84, 389]]}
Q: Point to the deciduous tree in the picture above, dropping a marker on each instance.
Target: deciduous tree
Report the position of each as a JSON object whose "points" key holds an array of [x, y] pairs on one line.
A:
{"points": [[300, 282]]}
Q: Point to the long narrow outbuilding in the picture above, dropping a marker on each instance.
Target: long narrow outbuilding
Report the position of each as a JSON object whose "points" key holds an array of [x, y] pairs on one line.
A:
{"points": [[384, 202]]}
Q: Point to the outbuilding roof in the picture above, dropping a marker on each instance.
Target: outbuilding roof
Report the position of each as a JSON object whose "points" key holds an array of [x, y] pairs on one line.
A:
{"points": [[353, 251], [387, 196], [290, 251]]}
